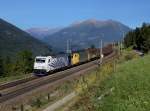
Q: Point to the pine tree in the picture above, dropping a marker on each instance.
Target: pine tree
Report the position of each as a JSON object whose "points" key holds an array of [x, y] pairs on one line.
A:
{"points": [[1, 67], [139, 38], [25, 61], [8, 67]]}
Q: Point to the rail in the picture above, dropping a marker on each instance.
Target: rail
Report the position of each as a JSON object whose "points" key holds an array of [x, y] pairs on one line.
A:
{"points": [[43, 85]]}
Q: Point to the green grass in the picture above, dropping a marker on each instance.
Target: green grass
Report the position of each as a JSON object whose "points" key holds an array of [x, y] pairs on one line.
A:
{"points": [[131, 83], [132, 88], [12, 78]]}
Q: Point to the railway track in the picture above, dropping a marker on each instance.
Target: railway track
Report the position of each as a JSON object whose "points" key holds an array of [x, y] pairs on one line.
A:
{"points": [[16, 82], [15, 86], [28, 86], [12, 92]]}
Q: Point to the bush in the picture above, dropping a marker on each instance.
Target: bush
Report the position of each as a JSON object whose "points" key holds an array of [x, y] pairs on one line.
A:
{"points": [[22, 64], [129, 56]]}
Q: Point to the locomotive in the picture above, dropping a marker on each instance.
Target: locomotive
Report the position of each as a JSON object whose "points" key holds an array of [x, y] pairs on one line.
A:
{"points": [[45, 64]]}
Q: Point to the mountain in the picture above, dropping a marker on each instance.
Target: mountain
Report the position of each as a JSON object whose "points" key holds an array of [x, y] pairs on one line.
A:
{"points": [[40, 33], [14, 40], [83, 34]]}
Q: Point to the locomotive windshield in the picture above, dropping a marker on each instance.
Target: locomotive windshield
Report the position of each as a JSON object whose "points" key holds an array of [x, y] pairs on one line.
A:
{"points": [[40, 60]]}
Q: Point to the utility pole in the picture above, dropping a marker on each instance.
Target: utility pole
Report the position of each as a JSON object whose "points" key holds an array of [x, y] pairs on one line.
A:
{"points": [[101, 51], [119, 48], [122, 42], [114, 60], [113, 45], [68, 52], [67, 47]]}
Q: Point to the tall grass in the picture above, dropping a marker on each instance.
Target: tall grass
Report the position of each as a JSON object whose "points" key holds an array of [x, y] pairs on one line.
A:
{"points": [[132, 88], [87, 83], [131, 84]]}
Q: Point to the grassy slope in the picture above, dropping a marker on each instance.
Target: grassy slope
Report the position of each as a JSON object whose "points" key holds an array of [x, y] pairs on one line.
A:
{"points": [[131, 83], [132, 88]]}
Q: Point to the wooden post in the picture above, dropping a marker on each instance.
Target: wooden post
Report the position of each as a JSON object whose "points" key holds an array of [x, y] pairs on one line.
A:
{"points": [[114, 65], [48, 96], [22, 107]]}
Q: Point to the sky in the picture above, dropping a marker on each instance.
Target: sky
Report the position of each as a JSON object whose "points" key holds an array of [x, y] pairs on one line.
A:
{"points": [[60, 13]]}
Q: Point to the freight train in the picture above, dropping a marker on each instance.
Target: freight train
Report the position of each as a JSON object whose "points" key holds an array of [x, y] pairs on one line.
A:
{"points": [[43, 65]]}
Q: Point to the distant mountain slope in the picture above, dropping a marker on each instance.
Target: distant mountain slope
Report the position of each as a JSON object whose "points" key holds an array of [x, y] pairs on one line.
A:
{"points": [[86, 33], [13, 40], [40, 33]]}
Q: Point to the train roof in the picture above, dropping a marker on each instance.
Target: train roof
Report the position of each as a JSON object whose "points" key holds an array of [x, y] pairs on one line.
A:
{"points": [[44, 57], [52, 56]]}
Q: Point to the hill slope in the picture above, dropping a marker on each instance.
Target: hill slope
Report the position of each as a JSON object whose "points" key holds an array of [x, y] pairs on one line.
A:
{"points": [[86, 33], [131, 83], [13, 40], [127, 89]]}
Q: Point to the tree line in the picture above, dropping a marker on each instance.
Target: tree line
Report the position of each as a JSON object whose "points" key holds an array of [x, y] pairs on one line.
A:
{"points": [[139, 38], [21, 64]]}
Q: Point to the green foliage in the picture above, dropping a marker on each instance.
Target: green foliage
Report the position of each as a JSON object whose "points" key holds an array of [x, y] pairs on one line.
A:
{"points": [[139, 38], [1, 67], [23, 64], [37, 103], [129, 55], [8, 67], [25, 61]]}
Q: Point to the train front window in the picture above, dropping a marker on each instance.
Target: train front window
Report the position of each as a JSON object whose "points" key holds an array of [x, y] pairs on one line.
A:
{"points": [[38, 60]]}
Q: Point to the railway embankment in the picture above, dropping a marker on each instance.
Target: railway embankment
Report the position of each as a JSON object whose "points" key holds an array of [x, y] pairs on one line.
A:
{"points": [[27, 98], [125, 88], [80, 85]]}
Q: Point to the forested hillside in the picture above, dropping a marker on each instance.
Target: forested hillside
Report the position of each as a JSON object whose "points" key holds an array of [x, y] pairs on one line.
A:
{"points": [[14, 40], [17, 50], [139, 38]]}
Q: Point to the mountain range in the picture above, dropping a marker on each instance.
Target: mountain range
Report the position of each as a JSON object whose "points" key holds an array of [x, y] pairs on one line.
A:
{"points": [[14, 40], [40, 33], [83, 34], [79, 35]]}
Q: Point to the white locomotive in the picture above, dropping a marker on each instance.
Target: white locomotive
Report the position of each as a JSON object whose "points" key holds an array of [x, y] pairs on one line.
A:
{"points": [[44, 64]]}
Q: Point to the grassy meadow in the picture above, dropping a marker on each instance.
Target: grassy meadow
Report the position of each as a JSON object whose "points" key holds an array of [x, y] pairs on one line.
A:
{"points": [[126, 89]]}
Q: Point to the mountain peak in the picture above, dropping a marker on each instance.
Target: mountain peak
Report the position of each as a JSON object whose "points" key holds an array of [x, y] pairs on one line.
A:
{"points": [[94, 22], [89, 21]]}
